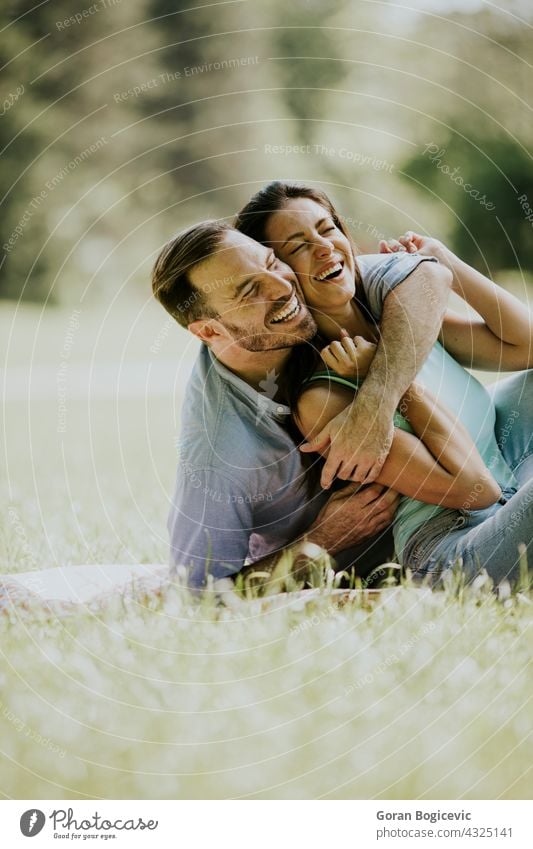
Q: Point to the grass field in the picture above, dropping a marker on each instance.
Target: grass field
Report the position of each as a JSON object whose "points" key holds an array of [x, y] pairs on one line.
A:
{"points": [[423, 696]]}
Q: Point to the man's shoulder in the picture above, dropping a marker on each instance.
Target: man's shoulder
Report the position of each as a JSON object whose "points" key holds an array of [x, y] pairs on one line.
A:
{"points": [[381, 273], [217, 427], [380, 264]]}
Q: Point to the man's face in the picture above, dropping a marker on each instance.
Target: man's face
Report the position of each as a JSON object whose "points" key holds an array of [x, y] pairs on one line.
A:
{"points": [[256, 296]]}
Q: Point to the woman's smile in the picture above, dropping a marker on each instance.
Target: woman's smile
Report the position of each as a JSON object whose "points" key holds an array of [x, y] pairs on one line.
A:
{"points": [[333, 270]]}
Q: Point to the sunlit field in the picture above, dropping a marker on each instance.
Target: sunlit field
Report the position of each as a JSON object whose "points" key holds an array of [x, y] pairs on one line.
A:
{"points": [[423, 695]]}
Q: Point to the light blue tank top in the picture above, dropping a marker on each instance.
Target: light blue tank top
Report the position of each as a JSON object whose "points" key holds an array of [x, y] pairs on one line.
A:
{"points": [[470, 402]]}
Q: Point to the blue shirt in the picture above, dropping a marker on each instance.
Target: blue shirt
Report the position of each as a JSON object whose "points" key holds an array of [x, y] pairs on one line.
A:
{"points": [[240, 490]]}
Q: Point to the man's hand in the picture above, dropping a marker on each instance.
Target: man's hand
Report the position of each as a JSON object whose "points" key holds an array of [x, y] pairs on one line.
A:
{"points": [[353, 515], [358, 442], [350, 516]]}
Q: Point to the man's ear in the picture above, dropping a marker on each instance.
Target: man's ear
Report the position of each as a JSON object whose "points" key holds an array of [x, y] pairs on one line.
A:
{"points": [[207, 330]]}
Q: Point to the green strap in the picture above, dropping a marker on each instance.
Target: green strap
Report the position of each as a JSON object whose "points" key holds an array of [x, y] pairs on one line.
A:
{"points": [[353, 383]]}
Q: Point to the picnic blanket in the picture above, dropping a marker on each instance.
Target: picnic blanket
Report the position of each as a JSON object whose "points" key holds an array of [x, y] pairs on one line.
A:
{"points": [[68, 589]]}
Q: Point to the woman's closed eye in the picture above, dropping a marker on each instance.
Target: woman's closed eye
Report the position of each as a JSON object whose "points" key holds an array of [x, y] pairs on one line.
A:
{"points": [[299, 245]]}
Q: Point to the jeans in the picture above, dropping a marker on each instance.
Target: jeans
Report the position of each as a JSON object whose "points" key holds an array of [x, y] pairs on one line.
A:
{"points": [[488, 538]]}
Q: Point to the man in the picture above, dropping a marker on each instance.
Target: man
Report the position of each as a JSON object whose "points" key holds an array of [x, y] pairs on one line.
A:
{"points": [[240, 488]]}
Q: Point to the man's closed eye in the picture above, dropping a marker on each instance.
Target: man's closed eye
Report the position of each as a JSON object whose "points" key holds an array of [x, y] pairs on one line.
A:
{"points": [[250, 292]]}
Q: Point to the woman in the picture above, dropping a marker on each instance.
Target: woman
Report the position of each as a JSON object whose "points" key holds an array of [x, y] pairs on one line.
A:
{"points": [[482, 516]]}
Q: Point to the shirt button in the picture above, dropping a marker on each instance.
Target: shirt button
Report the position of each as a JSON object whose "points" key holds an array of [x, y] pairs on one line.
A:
{"points": [[281, 410]]}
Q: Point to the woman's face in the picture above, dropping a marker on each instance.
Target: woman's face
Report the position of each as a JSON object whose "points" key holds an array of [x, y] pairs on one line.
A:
{"points": [[304, 235]]}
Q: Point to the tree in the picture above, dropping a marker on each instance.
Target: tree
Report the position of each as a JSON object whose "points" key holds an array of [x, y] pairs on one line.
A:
{"points": [[487, 184]]}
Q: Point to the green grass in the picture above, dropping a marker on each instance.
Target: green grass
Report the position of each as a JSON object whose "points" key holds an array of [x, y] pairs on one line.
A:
{"points": [[420, 697], [423, 696]]}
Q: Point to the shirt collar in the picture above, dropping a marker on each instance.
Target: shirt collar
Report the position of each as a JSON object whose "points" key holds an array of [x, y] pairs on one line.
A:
{"points": [[259, 399]]}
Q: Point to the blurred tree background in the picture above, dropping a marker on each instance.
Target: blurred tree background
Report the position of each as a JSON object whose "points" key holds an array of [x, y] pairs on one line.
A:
{"points": [[124, 121]]}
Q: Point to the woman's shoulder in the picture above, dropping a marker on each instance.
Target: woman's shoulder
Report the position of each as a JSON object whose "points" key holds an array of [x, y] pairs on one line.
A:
{"points": [[320, 400], [323, 373]]}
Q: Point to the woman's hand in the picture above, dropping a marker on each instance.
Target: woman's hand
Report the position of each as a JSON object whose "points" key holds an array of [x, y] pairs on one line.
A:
{"points": [[349, 357], [412, 243]]}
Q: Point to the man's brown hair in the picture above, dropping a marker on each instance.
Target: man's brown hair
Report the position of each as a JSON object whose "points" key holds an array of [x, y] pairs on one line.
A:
{"points": [[171, 284]]}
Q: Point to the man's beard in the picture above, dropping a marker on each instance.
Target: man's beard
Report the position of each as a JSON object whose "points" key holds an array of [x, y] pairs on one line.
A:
{"points": [[256, 342]]}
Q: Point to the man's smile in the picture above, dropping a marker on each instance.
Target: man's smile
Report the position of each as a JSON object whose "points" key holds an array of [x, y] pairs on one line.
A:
{"points": [[289, 311]]}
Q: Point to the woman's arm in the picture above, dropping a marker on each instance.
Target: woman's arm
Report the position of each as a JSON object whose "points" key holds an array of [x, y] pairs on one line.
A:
{"points": [[447, 471], [446, 438], [502, 339]]}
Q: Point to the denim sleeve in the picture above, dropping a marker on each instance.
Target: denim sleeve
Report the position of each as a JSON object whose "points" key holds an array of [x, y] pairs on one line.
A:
{"points": [[381, 273], [210, 523]]}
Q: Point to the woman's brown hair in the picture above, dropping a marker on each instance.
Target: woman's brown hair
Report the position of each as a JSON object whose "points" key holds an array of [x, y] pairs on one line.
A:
{"points": [[304, 359], [253, 218]]}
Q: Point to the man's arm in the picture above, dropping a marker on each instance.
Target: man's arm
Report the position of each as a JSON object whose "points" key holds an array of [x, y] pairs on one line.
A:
{"points": [[360, 438], [210, 528], [351, 516]]}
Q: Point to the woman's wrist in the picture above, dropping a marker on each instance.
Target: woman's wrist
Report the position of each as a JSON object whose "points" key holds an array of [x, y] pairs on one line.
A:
{"points": [[447, 257]]}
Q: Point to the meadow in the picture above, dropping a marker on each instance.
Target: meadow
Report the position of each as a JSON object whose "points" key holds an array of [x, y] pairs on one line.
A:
{"points": [[424, 695]]}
